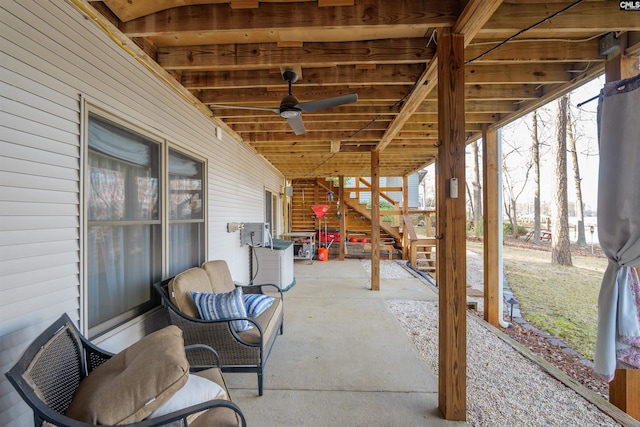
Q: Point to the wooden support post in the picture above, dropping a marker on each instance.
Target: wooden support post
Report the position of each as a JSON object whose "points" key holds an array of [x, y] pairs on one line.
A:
{"points": [[624, 391], [342, 213], [405, 211], [451, 221], [316, 201], [375, 220], [490, 224], [620, 66]]}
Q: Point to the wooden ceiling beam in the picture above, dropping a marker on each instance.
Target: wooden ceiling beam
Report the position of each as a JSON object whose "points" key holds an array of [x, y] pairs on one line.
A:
{"points": [[260, 96], [401, 74], [533, 51], [411, 130], [490, 92], [302, 16], [519, 73], [383, 74], [430, 127], [351, 109], [366, 135], [550, 93], [471, 20], [633, 43], [309, 118], [264, 55], [509, 18], [310, 126], [493, 106], [127, 10], [236, 57], [469, 117]]}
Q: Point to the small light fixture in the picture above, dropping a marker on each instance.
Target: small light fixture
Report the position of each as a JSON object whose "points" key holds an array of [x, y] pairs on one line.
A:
{"points": [[512, 301], [232, 227]]}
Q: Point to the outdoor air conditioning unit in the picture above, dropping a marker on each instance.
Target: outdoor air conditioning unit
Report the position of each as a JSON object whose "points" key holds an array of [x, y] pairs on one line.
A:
{"points": [[255, 234]]}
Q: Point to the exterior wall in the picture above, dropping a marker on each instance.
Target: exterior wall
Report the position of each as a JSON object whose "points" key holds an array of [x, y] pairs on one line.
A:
{"points": [[52, 59]]}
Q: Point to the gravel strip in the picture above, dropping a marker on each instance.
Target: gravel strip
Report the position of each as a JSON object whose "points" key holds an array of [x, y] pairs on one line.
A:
{"points": [[388, 269], [503, 387]]}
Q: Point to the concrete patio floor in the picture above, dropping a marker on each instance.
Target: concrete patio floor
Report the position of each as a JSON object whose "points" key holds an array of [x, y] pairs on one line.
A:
{"points": [[344, 359]]}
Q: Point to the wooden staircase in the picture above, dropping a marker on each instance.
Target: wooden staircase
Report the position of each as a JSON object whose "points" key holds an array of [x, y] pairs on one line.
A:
{"points": [[398, 238]]}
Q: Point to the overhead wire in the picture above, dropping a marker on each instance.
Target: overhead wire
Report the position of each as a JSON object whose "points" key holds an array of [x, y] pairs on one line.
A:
{"points": [[524, 30]]}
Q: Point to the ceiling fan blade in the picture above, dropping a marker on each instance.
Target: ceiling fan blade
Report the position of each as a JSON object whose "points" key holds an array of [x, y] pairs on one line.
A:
{"points": [[240, 107], [321, 104], [296, 125]]}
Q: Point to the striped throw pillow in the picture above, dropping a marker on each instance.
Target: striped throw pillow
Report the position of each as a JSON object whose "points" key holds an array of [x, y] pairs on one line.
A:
{"points": [[222, 306], [256, 304]]}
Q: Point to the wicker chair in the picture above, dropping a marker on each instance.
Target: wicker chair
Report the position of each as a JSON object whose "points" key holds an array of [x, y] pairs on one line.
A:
{"points": [[52, 367], [239, 351]]}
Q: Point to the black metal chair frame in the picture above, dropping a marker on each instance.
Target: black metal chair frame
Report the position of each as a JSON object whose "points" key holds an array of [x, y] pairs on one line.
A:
{"points": [[236, 354], [54, 364]]}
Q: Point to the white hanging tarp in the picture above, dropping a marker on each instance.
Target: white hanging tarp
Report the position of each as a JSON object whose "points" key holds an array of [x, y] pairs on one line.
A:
{"points": [[619, 224]]}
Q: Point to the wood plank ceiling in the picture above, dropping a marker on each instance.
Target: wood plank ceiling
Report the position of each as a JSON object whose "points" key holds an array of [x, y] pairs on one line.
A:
{"points": [[233, 52]]}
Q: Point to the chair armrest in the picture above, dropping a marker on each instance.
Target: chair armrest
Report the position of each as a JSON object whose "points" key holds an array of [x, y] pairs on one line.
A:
{"points": [[56, 419], [207, 349], [183, 413], [258, 289]]}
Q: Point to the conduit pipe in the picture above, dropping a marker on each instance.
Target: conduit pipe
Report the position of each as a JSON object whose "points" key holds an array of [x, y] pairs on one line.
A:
{"points": [[501, 320]]}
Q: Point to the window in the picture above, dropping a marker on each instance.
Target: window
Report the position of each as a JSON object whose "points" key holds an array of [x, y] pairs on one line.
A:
{"points": [[125, 230], [186, 213], [271, 211]]}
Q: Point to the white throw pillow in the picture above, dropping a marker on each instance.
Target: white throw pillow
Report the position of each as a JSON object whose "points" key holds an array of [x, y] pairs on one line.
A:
{"points": [[196, 390]]}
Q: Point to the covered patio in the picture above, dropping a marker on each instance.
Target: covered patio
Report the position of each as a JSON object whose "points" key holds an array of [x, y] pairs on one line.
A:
{"points": [[345, 359], [430, 77]]}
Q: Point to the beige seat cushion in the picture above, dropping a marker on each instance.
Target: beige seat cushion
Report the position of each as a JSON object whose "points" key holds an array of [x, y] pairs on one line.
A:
{"points": [[219, 276], [133, 383], [268, 322], [194, 279], [218, 417]]}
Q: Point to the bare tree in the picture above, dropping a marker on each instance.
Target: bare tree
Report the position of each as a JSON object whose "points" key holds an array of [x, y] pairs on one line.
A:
{"points": [[513, 184], [571, 128], [477, 189], [560, 243], [535, 154], [471, 214]]}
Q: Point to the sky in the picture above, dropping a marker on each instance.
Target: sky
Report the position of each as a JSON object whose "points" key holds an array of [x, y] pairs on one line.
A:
{"points": [[518, 135]]}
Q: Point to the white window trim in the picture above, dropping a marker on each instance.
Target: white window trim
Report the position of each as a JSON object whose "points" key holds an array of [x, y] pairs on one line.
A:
{"points": [[93, 106]]}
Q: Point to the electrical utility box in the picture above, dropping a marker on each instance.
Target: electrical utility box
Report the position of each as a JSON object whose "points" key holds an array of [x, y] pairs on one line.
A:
{"points": [[256, 234], [274, 264]]}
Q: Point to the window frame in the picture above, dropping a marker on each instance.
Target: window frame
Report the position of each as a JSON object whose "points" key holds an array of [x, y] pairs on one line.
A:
{"points": [[164, 147], [205, 205]]}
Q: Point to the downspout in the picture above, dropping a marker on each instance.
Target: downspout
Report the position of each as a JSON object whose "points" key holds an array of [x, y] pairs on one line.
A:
{"points": [[500, 237]]}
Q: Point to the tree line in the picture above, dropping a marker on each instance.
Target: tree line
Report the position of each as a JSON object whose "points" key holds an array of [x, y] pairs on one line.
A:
{"points": [[521, 163]]}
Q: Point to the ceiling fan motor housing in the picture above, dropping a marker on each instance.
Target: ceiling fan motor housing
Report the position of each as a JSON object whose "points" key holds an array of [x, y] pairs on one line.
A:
{"points": [[288, 107], [290, 76]]}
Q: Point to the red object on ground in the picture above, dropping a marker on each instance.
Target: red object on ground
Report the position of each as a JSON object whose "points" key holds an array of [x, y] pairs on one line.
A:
{"points": [[323, 254], [329, 236], [363, 240], [320, 210], [353, 239]]}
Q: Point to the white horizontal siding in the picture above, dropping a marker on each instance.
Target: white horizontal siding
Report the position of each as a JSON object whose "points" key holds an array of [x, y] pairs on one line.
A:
{"points": [[50, 58]]}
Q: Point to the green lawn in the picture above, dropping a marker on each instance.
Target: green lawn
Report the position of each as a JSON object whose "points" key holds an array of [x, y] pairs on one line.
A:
{"points": [[562, 301]]}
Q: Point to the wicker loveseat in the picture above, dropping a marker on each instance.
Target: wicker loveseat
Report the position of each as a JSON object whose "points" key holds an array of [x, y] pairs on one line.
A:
{"points": [[240, 351], [69, 382]]}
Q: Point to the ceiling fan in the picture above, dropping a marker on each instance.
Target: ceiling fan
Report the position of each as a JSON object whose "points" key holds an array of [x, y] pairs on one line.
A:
{"points": [[291, 110]]}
